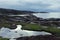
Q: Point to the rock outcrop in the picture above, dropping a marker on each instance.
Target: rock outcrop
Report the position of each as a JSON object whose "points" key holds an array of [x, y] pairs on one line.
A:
{"points": [[46, 37]]}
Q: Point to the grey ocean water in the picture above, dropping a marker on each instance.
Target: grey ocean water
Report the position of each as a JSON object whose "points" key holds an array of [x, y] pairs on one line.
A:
{"points": [[48, 15]]}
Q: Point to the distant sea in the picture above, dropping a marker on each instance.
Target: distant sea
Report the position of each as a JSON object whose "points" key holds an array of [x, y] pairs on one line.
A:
{"points": [[48, 15]]}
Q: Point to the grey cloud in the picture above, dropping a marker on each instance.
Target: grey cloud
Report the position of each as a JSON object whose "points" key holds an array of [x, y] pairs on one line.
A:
{"points": [[33, 5]]}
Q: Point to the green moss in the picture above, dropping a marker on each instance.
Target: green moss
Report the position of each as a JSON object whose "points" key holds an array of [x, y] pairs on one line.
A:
{"points": [[3, 38], [31, 26]]}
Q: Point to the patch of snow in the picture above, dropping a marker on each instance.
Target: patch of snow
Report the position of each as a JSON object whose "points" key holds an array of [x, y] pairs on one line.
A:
{"points": [[58, 27], [18, 32]]}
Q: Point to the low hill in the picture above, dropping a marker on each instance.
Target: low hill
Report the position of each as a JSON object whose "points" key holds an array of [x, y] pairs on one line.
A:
{"points": [[12, 11]]}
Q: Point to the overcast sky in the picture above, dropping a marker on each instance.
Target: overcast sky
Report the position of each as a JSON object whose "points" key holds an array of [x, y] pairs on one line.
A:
{"points": [[33, 5]]}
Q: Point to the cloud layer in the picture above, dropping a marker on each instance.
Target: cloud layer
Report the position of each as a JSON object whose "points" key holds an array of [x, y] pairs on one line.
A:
{"points": [[33, 5]]}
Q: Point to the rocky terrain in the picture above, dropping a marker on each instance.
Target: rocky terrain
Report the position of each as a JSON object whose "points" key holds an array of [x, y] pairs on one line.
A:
{"points": [[28, 19], [35, 20], [55, 22], [12, 21]]}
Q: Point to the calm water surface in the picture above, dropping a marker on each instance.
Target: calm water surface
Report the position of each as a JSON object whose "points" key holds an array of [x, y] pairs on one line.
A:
{"points": [[48, 15]]}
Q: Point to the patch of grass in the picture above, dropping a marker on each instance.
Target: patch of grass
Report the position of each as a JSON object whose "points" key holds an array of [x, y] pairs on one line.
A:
{"points": [[36, 27], [55, 31], [3, 38], [32, 26]]}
